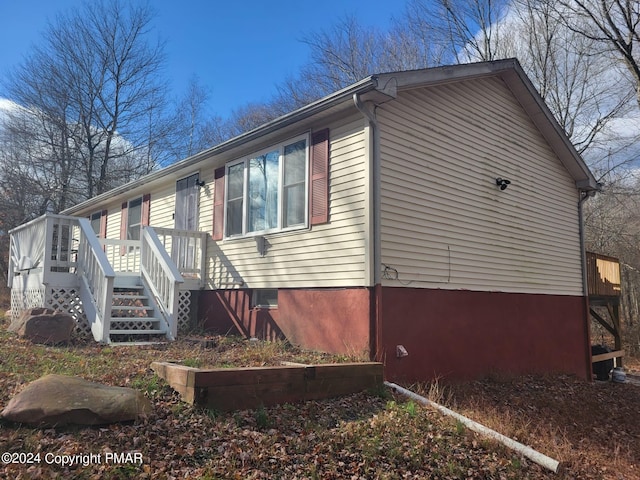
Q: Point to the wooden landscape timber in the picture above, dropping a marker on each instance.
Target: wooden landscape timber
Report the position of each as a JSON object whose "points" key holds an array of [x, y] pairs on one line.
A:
{"points": [[226, 389]]}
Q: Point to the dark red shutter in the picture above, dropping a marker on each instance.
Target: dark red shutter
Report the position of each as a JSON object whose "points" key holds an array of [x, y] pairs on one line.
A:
{"points": [[145, 211], [218, 204], [319, 184], [103, 224]]}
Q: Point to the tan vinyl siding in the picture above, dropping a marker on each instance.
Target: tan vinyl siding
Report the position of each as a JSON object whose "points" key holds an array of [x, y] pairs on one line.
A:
{"points": [[445, 224], [163, 202], [113, 221], [329, 255]]}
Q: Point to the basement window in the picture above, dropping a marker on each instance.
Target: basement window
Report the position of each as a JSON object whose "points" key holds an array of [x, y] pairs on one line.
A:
{"points": [[265, 298]]}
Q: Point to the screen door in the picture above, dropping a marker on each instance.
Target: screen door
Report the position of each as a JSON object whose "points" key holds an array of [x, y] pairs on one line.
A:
{"points": [[186, 218]]}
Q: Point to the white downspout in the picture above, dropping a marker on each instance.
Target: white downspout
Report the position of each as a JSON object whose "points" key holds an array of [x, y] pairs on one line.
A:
{"points": [[584, 196], [373, 255], [374, 179]]}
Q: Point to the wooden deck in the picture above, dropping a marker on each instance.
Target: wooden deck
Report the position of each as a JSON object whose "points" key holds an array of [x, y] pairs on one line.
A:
{"points": [[604, 289]]}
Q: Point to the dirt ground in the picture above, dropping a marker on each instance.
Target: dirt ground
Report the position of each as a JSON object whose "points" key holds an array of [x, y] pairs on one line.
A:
{"points": [[593, 428]]}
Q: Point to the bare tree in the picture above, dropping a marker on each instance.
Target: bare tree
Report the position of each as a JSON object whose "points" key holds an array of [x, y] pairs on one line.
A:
{"points": [[90, 86], [614, 24], [581, 88], [348, 52], [612, 227], [465, 29], [194, 129]]}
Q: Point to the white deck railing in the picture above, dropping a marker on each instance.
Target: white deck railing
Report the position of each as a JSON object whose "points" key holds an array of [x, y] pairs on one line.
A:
{"points": [[161, 275], [123, 255], [44, 247], [58, 251], [187, 249], [96, 281]]}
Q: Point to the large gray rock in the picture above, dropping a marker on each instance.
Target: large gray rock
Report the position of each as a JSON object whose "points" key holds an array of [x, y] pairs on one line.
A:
{"points": [[43, 325], [55, 400]]}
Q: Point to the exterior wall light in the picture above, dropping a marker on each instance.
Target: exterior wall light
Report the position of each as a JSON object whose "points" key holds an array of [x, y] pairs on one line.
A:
{"points": [[502, 183]]}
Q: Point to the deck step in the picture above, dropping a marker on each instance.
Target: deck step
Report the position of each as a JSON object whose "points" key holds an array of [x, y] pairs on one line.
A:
{"points": [[135, 319], [131, 307], [137, 332], [125, 296], [127, 324]]}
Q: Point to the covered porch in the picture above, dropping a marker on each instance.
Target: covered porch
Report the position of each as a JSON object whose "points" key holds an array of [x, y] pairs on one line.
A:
{"points": [[116, 290]]}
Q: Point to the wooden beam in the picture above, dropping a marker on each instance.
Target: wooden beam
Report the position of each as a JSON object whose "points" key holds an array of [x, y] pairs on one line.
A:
{"points": [[606, 356], [603, 322], [240, 388]]}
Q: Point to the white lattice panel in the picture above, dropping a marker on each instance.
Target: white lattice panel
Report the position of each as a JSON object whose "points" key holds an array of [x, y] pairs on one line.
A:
{"points": [[60, 299], [184, 308], [132, 326], [67, 300], [23, 299]]}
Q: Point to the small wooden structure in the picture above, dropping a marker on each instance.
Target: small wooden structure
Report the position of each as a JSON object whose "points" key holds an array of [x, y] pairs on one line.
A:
{"points": [[603, 281], [227, 389]]}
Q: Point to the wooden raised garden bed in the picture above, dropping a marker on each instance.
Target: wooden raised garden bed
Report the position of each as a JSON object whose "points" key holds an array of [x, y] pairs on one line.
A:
{"points": [[226, 389]]}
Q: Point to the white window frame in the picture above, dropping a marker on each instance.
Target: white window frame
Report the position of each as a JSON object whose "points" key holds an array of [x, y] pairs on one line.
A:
{"points": [[245, 181], [136, 225], [97, 216], [257, 297]]}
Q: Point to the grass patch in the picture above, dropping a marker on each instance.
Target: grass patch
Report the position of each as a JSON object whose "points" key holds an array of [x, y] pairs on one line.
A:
{"points": [[368, 435]]}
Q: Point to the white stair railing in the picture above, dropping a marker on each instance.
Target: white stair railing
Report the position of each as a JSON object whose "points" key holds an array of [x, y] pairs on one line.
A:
{"points": [[96, 281], [123, 255], [188, 250], [161, 276]]}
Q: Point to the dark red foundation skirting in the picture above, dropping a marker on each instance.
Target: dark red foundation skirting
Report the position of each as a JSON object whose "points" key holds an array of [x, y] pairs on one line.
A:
{"points": [[449, 334], [457, 334], [329, 320]]}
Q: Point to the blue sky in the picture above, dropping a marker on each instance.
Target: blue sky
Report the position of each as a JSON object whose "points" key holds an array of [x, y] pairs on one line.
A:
{"points": [[238, 49]]}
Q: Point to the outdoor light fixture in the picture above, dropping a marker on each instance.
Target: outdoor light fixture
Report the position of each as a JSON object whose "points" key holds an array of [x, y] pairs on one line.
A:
{"points": [[502, 183], [200, 183]]}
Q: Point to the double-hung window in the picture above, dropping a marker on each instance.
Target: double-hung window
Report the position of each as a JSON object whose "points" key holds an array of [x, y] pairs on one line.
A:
{"points": [[134, 219], [96, 222], [267, 191]]}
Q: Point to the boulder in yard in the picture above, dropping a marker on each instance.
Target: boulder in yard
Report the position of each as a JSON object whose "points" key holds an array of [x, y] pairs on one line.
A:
{"points": [[55, 400], [44, 325]]}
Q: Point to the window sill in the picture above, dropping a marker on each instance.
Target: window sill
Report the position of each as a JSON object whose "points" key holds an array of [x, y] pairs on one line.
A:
{"points": [[268, 233]]}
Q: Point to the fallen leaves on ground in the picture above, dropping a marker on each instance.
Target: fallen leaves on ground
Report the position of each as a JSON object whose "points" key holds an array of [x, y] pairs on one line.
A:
{"points": [[593, 428], [371, 435]]}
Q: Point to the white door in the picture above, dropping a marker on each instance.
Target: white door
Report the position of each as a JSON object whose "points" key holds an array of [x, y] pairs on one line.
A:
{"points": [[186, 218]]}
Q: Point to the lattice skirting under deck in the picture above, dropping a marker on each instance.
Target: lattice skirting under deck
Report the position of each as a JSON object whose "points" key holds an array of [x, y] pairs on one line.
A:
{"points": [[64, 300], [67, 300], [23, 299], [184, 309]]}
